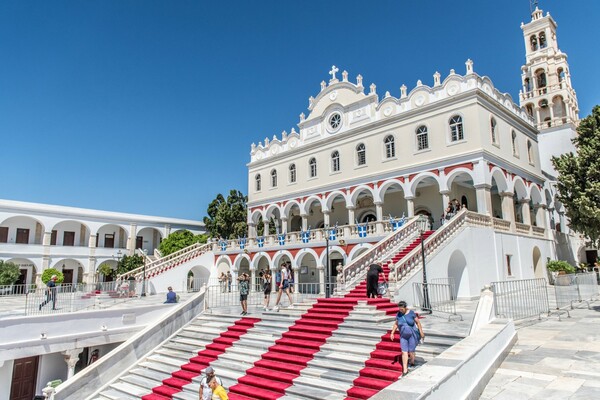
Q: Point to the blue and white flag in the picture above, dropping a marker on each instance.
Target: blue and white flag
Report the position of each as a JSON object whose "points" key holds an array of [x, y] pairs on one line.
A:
{"points": [[333, 233], [362, 230], [397, 223], [305, 235], [242, 243], [261, 241], [223, 245], [281, 239]]}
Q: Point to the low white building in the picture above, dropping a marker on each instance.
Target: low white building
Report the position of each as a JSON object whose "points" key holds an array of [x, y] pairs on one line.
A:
{"points": [[77, 241]]}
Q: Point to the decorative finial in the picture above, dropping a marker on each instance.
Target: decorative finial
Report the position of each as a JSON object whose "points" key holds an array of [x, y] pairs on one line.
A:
{"points": [[419, 83], [387, 94], [345, 76], [323, 85], [403, 91], [469, 64], [293, 132], [436, 79], [253, 147], [333, 71], [311, 100], [283, 135], [452, 72], [266, 141], [372, 88], [359, 81], [302, 116]]}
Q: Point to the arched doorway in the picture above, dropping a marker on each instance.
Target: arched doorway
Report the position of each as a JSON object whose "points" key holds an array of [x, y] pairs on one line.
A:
{"points": [[148, 239], [197, 276], [27, 269], [459, 274], [538, 268], [308, 274]]}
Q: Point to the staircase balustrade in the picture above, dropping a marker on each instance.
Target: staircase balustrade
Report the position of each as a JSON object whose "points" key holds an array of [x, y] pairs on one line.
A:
{"points": [[163, 264], [501, 225], [355, 270]]}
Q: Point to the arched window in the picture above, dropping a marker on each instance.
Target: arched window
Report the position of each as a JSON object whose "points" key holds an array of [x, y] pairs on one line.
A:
{"points": [[493, 130], [422, 138], [542, 39], [541, 78], [561, 75], [257, 182], [361, 154], [529, 152], [335, 161], [273, 178], [527, 85], [456, 128], [529, 109], [464, 202], [534, 43], [312, 165], [292, 173], [514, 144], [390, 147]]}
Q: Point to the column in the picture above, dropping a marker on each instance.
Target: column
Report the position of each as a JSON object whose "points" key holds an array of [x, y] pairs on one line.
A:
{"points": [[326, 220], [304, 221], [410, 205], [92, 241], [351, 218], [47, 238], [252, 279], [265, 228], [71, 357], [251, 230], [90, 276], [379, 212], [273, 286], [296, 270], [132, 237], [321, 269], [551, 108], [537, 116], [445, 199], [540, 215], [484, 199], [508, 207], [167, 230], [526, 214], [284, 224]]}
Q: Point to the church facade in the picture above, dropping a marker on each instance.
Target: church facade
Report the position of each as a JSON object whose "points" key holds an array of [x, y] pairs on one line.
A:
{"points": [[360, 158]]}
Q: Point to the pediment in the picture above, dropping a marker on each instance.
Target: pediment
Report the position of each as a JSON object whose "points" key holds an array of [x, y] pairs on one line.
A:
{"points": [[342, 94]]}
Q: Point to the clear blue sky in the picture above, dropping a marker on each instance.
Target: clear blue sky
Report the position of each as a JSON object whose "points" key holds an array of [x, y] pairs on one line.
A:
{"points": [[151, 106]]}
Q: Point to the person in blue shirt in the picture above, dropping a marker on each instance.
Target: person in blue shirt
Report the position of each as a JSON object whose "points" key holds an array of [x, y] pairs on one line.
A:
{"points": [[411, 332], [50, 293], [171, 296]]}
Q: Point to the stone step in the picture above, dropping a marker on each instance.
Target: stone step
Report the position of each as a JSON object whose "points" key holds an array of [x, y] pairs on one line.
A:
{"points": [[129, 391], [312, 393], [150, 373], [146, 382], [115, 394]]}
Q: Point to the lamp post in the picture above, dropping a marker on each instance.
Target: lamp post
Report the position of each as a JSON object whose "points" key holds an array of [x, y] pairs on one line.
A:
{"points": [[327, 294], [144, 276], [426, 304]]}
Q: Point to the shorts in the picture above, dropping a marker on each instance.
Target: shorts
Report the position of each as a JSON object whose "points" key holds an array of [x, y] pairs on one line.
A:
{"points": [[285, 285], [243, 297], [267, 290], [408, 339]]}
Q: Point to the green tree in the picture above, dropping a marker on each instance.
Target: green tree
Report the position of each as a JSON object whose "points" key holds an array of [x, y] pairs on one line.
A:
{"points": [[180, 240], [47, 274], [9, 273], [129, 263], [260, 227], [227, 218], [579, 178]]}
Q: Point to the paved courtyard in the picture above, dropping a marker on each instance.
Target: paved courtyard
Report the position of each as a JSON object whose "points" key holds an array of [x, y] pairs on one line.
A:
{"points": [[552, 359]]}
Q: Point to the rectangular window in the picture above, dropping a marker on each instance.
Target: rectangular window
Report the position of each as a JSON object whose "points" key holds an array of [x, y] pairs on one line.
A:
{"points": [[508, 266], [362, 159], [69, 238], [109, 240], [3, 234], [292, 175], [53, 238], [22, 236], [422, 141]]}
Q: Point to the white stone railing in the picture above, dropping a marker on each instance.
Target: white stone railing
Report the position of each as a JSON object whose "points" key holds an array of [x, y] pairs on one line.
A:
{"points": [[522, 228], [357, 268], [501, 224], [165, 263], [414, 258], [537, 231]]}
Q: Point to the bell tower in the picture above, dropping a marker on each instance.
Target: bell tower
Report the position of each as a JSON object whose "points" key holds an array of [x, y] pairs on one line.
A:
{"points": [[547, 94]]}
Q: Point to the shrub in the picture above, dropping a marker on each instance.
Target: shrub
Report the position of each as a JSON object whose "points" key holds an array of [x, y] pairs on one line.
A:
{"points": [[47, 274], [559, 265], [9, 273]]}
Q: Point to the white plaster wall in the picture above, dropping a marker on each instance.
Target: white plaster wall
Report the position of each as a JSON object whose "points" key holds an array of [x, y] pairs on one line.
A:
{"points": [[555, 142], [52, 366], [484, 251], [6, 370], [70, 226], [23, 222], [177, 276]]}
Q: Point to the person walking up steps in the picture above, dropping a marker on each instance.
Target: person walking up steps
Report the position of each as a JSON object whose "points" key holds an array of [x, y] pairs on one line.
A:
{"points": [[244, 289], [373, 280], [206, 392], [50, 293], [285, 286], [267, 289], [411, 332]]}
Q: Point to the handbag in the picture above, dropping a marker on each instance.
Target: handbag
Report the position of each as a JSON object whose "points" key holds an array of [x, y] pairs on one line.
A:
{"points": [[414, 327], [382, 288]]}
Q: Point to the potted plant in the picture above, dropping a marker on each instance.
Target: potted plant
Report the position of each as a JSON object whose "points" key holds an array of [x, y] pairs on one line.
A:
{"points": [[560, 267]]}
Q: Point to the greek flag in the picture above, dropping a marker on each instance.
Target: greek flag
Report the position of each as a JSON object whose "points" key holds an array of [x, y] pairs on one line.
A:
{"points": [[242, 243], [261, 241], [362, 230], [223, 245], [281, 239], [333, 234], [305, 236]]}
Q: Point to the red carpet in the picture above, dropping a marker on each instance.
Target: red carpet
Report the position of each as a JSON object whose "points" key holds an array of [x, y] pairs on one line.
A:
{"points": [[379, 372], [282, 363], [197, 364]]}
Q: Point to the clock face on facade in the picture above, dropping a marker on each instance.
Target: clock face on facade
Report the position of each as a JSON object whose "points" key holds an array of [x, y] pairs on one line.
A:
{"points": [[335, 121]]}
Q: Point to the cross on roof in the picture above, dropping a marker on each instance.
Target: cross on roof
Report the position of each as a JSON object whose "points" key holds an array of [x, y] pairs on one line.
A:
{"points": [[334, 69]]}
